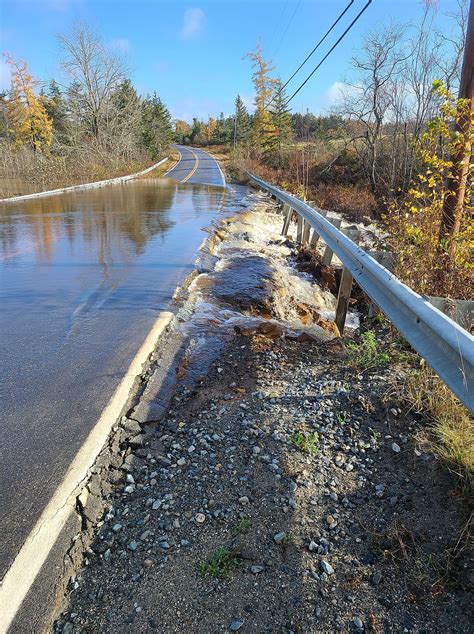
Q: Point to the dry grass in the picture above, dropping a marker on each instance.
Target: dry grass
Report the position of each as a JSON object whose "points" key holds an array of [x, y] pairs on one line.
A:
{"points": [[24, 172], [452, 425]]}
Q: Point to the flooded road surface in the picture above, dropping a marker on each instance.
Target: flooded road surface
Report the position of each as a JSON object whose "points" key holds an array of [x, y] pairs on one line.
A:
{"points": [[83, 277]]}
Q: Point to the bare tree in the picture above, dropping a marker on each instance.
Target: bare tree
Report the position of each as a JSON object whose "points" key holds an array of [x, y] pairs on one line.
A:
{"points": [[95, 71], [370, 100]]}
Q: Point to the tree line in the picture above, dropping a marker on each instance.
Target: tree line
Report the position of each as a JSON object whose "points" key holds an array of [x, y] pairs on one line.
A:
{"points": [[95, 122]]}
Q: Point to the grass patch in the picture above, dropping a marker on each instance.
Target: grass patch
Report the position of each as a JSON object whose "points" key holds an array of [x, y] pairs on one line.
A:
{"points": [[452, 425], [307, 442], [242, 527], [220, 565], [366, 354]]}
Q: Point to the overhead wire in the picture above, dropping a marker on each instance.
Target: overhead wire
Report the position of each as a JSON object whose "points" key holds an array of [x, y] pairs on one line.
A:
{"points": [[311, 53], [287, 28], [341, 15], [329, 52]]}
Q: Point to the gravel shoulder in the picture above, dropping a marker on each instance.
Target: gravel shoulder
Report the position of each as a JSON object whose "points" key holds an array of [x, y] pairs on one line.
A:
{"points": [[283, 490]]}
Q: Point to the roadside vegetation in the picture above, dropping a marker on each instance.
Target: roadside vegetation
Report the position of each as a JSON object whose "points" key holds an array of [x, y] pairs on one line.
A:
{"points": [[88, 124], [388, 153], [451, 425], [384, 153]]}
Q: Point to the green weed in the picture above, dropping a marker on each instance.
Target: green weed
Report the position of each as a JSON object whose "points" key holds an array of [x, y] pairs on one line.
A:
{"points": [[220, 565], [366, 354], [243, 526], [307, 442]]}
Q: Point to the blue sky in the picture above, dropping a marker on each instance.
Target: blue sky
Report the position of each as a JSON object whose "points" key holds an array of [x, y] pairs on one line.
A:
{"points": [[192, 52]]}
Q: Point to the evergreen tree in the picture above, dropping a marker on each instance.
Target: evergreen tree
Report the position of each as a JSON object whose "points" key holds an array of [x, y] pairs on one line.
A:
{"points": [[241, 122], [157, 129], [125, 101], [55, 106], [195, 130], [281, 120], [224, 129]]}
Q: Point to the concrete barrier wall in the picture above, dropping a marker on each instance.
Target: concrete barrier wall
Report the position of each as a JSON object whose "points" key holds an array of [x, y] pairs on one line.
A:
{"points": [[62, 190]]}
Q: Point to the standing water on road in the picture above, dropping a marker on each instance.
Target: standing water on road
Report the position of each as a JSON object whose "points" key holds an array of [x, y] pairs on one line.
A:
{"points": [[83, 277]]}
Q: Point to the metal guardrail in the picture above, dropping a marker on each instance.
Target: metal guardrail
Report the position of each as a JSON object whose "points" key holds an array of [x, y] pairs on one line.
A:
{"points": [[448, 348]]}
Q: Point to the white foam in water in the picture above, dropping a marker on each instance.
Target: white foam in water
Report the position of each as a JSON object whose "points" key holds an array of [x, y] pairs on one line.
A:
{"points": [[258, 233]]}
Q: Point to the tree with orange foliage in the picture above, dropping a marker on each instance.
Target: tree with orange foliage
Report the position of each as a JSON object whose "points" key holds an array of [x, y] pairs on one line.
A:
{"points": [[264, 130], [27, 116], [209, 129]]}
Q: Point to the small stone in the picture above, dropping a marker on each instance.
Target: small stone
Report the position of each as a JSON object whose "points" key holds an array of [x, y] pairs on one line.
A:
{"points": [[156, 505], [132, 545], [181, 462], [129, 488], [256, 450], [130, 478], [244, 500], [235, 625], [358, 624], [279, 537], [313, 546], [200, 518], [148, 563], [255, 570], [395, 447], [326, 567], [376, 577], [394, 412], [117, 527]]}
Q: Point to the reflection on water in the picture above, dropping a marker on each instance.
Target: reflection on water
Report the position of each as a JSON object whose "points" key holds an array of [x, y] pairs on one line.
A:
{"points": [[82, 278]]}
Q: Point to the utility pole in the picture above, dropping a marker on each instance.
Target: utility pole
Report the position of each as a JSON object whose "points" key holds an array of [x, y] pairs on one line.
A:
{"points": [[456, 186]]}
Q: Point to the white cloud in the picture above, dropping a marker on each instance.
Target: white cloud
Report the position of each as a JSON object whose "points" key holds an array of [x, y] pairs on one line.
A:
{"points": [[193, 22], [334, 93], [4, 75], [120, 44]]}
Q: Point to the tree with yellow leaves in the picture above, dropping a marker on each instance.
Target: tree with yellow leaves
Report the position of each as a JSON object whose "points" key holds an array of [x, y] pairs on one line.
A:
{"points": [[209, 129], [264, 130], [27, 116]]}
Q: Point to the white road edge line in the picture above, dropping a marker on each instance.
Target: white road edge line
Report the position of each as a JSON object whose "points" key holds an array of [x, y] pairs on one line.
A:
{"points": [[218, 167], [29, 561], [179, 161]]}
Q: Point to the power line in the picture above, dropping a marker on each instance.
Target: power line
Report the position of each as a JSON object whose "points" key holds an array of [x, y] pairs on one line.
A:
{"points": [[329, 52], [286, 30], [341, 15]]}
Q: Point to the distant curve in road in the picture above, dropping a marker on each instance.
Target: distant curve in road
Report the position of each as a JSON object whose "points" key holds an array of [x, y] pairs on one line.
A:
{"points": [[196, 166]]}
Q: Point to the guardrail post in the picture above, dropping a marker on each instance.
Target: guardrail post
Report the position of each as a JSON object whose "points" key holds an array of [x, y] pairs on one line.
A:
{"points": [[345, 286], [286, 224], [343, 299], [315, 237], [328, 253], [306, 230], [299, 230]]}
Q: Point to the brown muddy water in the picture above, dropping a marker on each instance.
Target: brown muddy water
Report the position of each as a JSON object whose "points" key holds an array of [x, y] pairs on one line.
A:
{"points": [[83, 277]]}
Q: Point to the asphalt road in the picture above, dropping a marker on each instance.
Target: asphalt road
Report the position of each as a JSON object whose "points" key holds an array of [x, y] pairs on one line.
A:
{"points": [[196, 166], [82, 279]]}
